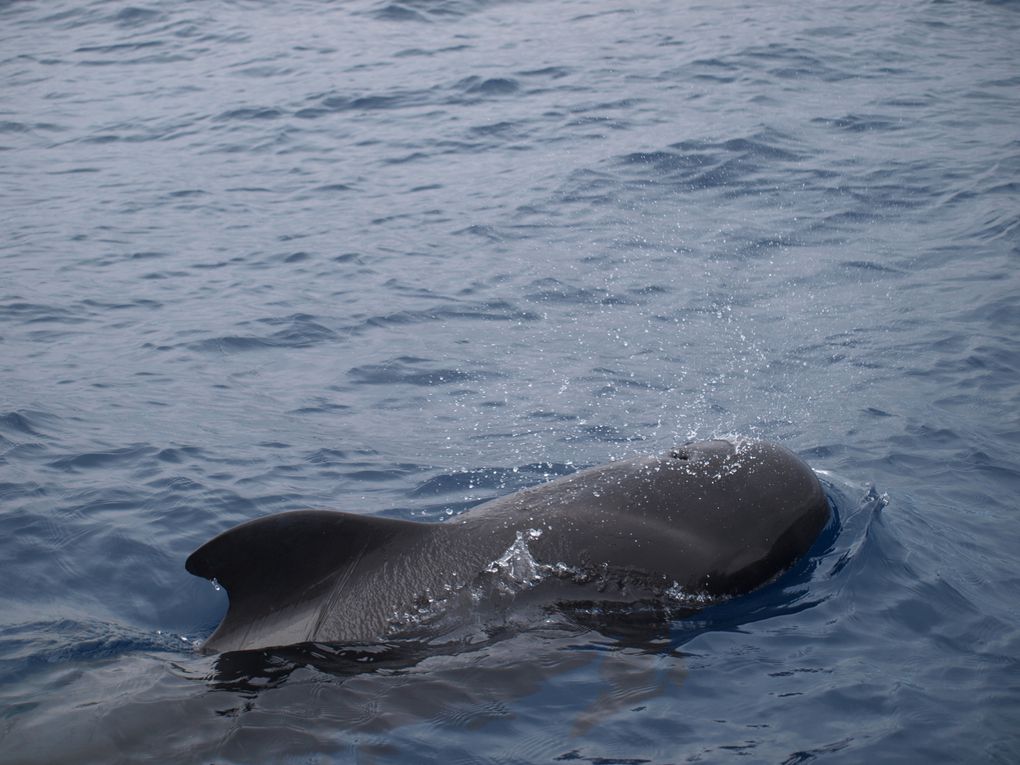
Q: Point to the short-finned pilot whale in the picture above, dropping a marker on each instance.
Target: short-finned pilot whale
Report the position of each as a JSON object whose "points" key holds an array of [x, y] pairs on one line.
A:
{"points": [[711, 519]]}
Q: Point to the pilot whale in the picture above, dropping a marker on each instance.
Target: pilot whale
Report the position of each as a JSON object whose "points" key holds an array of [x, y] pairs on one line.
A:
{"points": [[709, 520]]}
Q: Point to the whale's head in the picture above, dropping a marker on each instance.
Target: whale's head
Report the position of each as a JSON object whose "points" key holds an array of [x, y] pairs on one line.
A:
{"points": [[717, 517]]}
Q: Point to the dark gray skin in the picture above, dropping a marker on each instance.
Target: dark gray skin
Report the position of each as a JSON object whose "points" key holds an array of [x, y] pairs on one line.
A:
{"points": [[713, 518]]}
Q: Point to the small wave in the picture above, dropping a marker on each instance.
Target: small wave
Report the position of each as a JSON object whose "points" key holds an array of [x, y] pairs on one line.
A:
{"points": [[788, 62], [7, 126], [94, 460], [502, 479], [135, 16], [119, 47], [551, 290], [398, 12], [695, 165], [861, 123], [408, 370], [500, 129], [333, 187], [426, 11], [29, 647], [870, 265], [33, 313], [25, 422], [493, 86], [492, 310], [853, 514], [374, 101], [552, 72], [298, 331], [489, 478], [246, 114]]}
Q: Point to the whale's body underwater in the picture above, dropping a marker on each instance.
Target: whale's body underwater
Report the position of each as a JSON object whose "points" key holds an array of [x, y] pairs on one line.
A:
{"points": [[710, 520]]}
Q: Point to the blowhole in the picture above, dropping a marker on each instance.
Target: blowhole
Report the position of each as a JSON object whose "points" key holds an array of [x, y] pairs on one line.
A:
{"points": [[680, 454]]}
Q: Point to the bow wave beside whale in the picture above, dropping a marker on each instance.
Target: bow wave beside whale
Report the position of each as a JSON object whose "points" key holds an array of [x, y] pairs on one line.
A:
{"points": [[702, 523]]}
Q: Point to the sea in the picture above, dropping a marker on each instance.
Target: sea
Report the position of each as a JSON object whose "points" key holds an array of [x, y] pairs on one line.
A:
{"points": [[397, 258]]}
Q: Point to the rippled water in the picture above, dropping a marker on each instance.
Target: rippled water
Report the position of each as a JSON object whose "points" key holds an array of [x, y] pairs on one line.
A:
{"points": [[400, 258]]}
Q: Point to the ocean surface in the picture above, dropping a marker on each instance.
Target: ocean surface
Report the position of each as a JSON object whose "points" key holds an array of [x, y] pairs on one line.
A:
{"points": [[397, 258]]}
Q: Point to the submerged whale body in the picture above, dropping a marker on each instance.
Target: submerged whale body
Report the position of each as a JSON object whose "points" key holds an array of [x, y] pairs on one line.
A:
{"points": [[707, 521]]}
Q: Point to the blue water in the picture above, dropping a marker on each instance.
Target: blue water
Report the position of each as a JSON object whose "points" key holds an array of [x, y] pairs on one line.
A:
{"points": [[400, 258]]}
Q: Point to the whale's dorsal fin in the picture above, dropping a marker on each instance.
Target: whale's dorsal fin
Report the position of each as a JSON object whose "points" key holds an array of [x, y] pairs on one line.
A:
{"points": [[280, 569]]}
